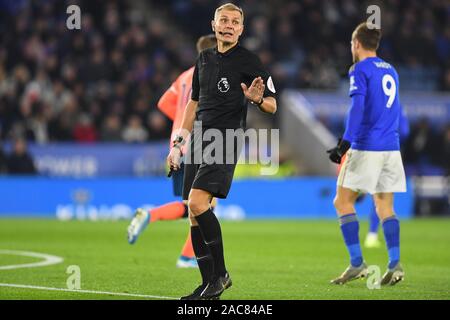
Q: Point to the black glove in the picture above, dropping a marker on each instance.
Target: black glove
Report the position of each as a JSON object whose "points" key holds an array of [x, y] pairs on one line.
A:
{"points": [[336, 153]]}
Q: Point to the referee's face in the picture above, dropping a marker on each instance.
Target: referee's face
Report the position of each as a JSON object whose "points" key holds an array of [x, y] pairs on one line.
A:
{"points": [[228, 26]]}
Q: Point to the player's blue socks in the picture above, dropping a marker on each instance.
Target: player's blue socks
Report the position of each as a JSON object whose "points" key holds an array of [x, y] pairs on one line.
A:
{"points": [[374, 221], [350, 231], [391, 228]]}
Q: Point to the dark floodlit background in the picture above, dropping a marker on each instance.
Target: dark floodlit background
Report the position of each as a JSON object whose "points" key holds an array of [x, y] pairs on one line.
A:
{"points": [[83, 103]]}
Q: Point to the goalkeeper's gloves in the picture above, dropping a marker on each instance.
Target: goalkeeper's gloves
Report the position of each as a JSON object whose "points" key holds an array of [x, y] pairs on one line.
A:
{"points": [[336, 153]]}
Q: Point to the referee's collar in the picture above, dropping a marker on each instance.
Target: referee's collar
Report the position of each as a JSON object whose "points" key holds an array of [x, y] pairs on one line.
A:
{"points": [[228, 52]]}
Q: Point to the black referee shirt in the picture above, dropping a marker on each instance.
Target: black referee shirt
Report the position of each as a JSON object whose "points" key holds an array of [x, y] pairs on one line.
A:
{"points": [[216, 85]]}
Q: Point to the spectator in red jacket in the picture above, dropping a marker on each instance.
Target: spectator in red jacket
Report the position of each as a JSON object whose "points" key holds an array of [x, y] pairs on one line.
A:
{"points": [[84, 130]]}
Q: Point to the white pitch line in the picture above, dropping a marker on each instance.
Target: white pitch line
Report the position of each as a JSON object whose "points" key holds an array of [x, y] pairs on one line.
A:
{"points": [[48, 259], [23, 286]]}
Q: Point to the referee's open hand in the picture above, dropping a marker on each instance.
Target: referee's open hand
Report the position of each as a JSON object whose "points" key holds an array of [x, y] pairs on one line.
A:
{"points": [[255, 91]]}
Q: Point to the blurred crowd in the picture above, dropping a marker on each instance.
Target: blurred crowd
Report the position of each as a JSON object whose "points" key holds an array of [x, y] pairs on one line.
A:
{"points": [[102, 83], [426, 151], [18, 161], [307, 43]]}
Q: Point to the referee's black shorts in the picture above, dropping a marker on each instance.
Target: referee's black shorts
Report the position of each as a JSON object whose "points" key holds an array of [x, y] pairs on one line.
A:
{"points": [[215, 178]]}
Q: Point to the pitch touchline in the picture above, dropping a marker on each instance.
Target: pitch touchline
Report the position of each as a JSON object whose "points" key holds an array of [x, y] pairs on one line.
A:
{"points": [[23, 286]]}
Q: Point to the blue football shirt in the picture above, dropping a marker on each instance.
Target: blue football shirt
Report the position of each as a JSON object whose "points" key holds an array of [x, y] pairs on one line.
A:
{"points": [[375, 84]]}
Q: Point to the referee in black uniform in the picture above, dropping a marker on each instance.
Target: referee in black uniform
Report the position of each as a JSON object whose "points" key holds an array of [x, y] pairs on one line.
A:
{"points": [[225, 79]]}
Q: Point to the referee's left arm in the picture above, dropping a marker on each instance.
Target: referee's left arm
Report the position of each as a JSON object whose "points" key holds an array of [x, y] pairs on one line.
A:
{"points": [[269, 105], [261, 91], [255, 94]]}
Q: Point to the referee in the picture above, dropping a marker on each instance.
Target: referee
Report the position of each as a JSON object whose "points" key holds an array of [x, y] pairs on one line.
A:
{"points": [[225, 79]]}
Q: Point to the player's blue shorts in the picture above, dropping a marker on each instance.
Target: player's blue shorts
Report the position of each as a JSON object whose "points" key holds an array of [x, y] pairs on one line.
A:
{"points": [[177, 181]]}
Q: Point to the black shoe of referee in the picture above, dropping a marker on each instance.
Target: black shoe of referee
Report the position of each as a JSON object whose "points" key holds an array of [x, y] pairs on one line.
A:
{"points": [[216, 287], [196, 294]]}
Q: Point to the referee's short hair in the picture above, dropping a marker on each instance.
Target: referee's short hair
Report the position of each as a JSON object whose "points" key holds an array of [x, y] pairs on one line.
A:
{"points": [[368, 37], [231, 7], [205, 42]]}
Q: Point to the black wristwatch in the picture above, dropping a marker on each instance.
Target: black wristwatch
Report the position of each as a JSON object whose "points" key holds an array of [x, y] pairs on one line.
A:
{"points": [[179, 140], [258, 104]]}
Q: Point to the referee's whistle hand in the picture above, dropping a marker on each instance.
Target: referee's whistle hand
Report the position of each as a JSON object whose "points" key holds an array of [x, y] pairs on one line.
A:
{"points": [[174, 159]]}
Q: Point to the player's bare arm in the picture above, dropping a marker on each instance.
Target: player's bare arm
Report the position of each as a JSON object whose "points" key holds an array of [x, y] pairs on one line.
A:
{"points": [[174, 157], [255, 93]]}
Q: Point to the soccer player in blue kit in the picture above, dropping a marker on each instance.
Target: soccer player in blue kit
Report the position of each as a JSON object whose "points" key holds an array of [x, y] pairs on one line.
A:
{"points": [[371, 240], [373, 163]]}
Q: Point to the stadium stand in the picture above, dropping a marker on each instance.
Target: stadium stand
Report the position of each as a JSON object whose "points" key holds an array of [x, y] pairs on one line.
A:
{"points": [[102, 83]]}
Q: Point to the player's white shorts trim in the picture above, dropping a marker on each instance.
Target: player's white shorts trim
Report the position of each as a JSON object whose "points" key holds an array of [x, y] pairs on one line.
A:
{"points": [[373, 172]]}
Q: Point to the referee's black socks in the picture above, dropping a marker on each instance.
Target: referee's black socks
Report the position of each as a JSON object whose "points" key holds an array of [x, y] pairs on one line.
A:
{"points": [[212, 235], [203, 255]]}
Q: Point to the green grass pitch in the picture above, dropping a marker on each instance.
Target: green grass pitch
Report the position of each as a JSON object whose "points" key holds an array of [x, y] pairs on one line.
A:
{"points": [[276, 259]]}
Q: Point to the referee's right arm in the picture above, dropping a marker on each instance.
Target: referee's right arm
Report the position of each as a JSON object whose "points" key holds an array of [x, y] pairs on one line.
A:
{"points": [[173, 160], [188, 118], [191, 107], [174, 157]]}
